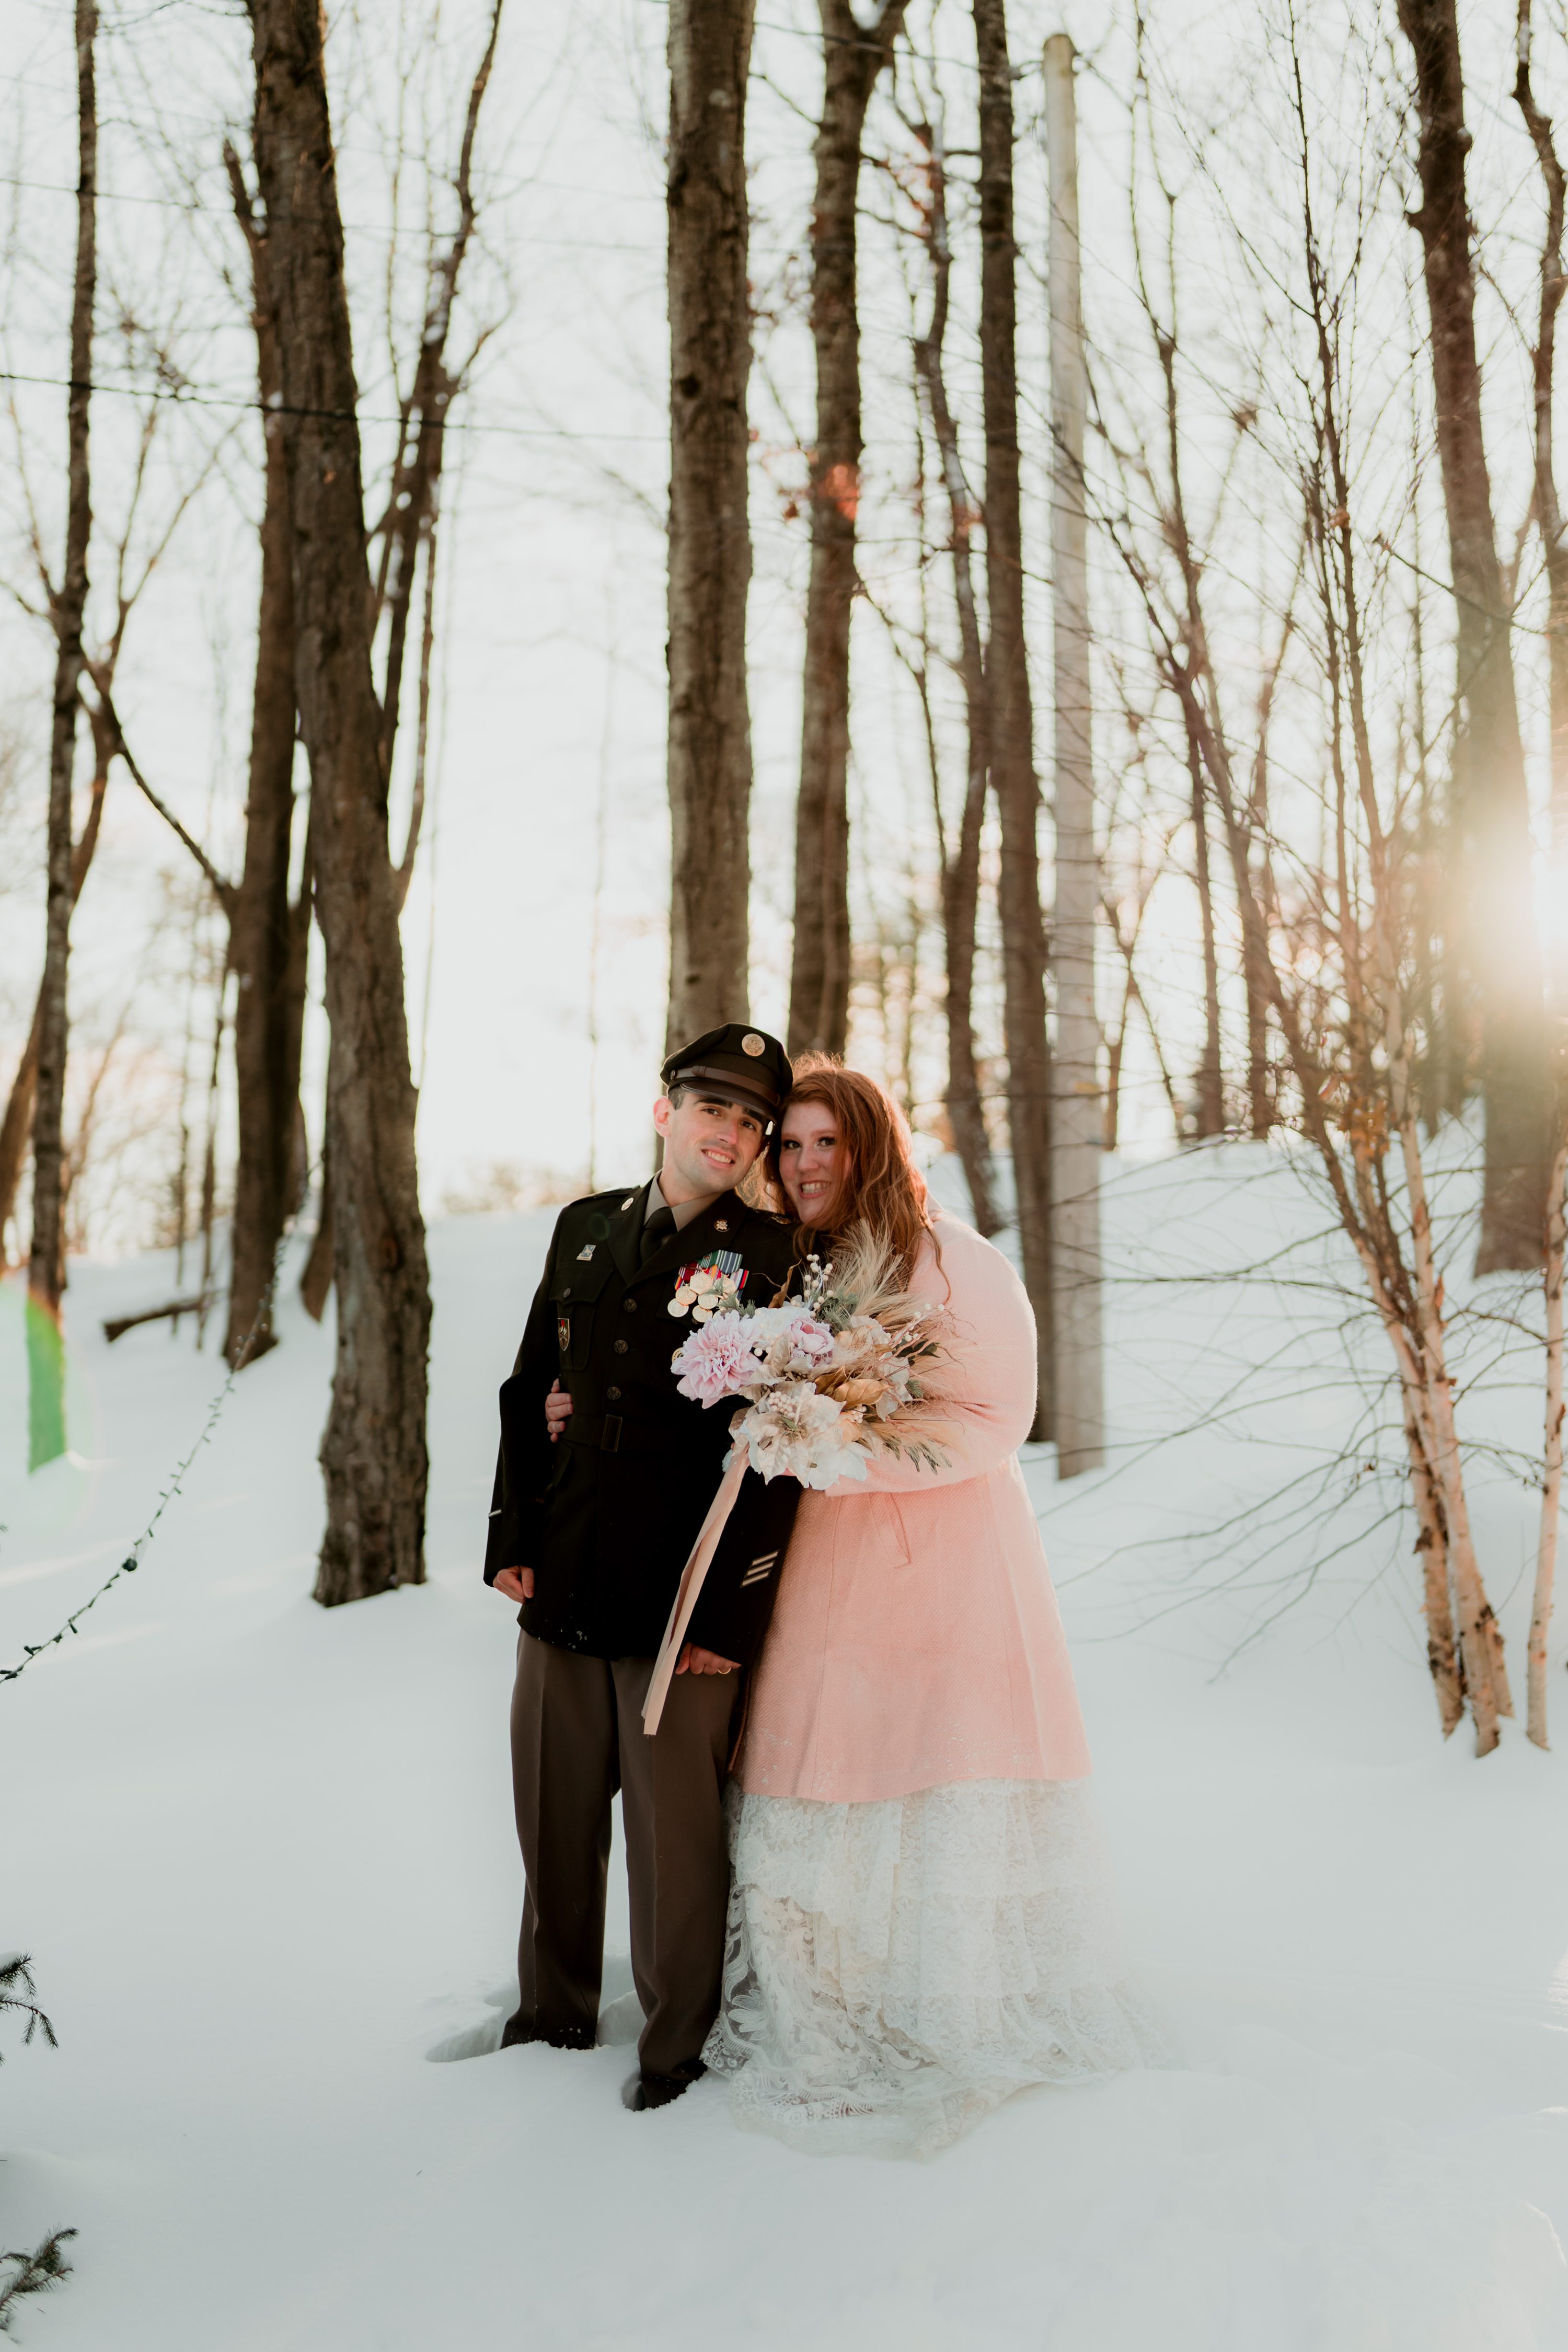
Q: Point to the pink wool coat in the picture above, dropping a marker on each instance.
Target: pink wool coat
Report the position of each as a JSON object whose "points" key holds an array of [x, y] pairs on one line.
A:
{"points": [[916, 1639]]}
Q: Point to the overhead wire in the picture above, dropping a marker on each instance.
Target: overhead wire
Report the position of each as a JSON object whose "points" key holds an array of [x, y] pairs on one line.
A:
{"points": [[177, 397], [358, 228]]}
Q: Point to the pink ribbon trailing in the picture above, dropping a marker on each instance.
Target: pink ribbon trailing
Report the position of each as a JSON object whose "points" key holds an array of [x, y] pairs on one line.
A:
{"points": [[691, 1582]]}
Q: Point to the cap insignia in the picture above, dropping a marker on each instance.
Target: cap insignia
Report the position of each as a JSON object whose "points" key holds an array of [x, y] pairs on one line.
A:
{"points": [[754, 1045]]}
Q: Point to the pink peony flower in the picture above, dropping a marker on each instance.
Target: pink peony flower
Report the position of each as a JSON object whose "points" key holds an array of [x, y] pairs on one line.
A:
{"points": [[789, 1341], [716, 1362]]}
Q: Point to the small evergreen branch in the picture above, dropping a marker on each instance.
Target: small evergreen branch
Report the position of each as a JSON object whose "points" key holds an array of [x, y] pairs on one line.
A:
{"points": [[16, 1990], [34, 2273]]}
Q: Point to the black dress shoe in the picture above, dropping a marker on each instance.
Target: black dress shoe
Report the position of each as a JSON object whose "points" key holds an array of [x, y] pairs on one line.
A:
{"points": [[640, 2092], [565, 2037]]}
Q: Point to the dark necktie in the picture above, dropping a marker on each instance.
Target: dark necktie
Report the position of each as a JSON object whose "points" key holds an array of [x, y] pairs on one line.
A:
{"points": [[657, 1230]]}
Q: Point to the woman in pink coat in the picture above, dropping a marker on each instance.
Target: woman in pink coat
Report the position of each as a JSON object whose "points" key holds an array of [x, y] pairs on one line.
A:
{"points": [[919, 1920]]}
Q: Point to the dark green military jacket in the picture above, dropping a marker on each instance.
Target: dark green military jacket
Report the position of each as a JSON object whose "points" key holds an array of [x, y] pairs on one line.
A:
{"points": [[606, 1516]]}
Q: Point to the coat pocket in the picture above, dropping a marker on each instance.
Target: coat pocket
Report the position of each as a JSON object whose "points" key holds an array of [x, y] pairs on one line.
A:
{"points": [[573, 1291], [885, 1536]]}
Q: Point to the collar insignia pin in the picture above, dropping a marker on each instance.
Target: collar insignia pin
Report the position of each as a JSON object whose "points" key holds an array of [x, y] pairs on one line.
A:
{"points": [[627, 1201], [720, 1224], [587, 1251]]}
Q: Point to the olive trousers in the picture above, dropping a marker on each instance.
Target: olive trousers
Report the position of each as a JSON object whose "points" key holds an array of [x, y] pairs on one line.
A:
{"points": [[576, 1737]]}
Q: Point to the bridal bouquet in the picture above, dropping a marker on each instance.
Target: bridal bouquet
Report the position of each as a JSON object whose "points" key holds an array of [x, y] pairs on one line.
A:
{"points": [[847, 1371]]}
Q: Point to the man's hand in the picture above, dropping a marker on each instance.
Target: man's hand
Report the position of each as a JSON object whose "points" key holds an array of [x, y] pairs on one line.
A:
{"points": [[691, 1659], [557, 1411], [516, 1583]]}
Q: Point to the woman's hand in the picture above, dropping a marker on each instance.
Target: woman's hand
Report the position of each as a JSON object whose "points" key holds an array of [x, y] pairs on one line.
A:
{"points": [[515, 1583], [695, 1661]]}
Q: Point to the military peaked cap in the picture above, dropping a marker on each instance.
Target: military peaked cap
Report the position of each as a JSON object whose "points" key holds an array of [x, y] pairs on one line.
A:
{"points": [[737, 1062]]}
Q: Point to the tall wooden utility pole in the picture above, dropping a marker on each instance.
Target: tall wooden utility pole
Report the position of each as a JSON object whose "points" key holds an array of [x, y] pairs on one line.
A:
{"points": [[1075, 1111], [709, 744]]}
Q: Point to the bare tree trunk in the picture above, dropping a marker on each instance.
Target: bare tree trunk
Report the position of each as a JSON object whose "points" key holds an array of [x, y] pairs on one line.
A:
{"points": [[209, 1165], [1432, 1544], [415, 493], [1210, 1072], [1133, 995], [1428, 989], [1210, 1118], [1012, 713], [960, 868], [1420, 1338], [316, 1280], [263, 946], [853, 55], [15, 1126], [1480, 1639], [1115, 1047], [1548, 509], [46, 1269], [1552, 1481], [709, 744], [374, 1451], [1079, 1370], [422, 714], [1360, 928], [1493, 808], [270, 936], [1550, 519], [1260, 1099], [960, 909]]}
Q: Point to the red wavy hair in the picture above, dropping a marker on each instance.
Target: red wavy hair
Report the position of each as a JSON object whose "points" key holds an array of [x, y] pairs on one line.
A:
{"points": [[881, 1187]]}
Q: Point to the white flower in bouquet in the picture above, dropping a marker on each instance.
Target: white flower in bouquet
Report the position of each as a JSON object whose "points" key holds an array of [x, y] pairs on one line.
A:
{"points": [[796, 1431]]}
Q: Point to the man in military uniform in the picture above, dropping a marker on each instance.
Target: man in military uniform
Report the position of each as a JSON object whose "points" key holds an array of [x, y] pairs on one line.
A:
{"points": [[590, 1536]]}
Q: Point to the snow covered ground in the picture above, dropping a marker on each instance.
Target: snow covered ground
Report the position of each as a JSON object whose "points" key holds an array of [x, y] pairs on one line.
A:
{"points": [[263, 1857]]}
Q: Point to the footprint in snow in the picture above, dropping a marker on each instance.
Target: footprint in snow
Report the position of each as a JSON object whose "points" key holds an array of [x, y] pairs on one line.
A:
{"points": [[620, 2016]]}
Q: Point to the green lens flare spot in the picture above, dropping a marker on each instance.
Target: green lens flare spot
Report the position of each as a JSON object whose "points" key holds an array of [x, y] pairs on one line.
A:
{"points": [[46, 1386]]}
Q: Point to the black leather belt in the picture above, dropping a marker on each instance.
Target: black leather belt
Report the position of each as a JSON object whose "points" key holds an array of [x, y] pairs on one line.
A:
{"points": [[612, 1433]]}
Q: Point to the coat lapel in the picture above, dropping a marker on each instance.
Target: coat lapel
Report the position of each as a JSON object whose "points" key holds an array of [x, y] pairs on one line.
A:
{"points": [[625, 1232]]}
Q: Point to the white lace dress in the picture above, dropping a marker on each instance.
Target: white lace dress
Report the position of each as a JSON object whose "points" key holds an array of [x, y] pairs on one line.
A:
{"points": [[895, 1969], [922, 1920]]}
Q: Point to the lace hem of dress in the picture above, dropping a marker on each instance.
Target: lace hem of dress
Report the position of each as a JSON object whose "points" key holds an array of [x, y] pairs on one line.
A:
{"points": [[895, 1970]]}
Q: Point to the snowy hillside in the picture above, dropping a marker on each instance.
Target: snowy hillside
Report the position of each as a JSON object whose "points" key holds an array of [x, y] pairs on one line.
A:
{"points": [[264, 1859]]}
